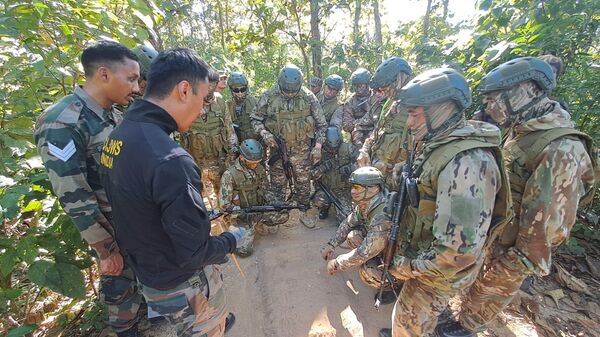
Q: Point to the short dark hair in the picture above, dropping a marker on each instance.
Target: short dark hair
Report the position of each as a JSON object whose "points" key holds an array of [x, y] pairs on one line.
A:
{"points": [[173, 66], [104, 53]]}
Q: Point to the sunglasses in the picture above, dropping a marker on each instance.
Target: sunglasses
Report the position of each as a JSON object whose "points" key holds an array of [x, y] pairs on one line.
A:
{"points": [[358, 188], [239, 90]]}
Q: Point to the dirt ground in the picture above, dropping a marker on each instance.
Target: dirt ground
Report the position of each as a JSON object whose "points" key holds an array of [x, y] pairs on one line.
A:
{"points": [[286, 292]]}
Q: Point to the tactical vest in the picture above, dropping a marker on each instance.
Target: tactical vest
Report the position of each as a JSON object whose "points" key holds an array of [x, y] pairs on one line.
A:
{"points": [[343, 155], [416, 233], [365, 220], [240, 115], [391, 134], [520, 156], [329, 107], [290, 118], [208, 131], [359, 110], [246, 183]]}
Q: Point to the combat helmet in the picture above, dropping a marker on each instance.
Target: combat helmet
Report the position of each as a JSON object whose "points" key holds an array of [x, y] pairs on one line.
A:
{"points": [[335, 81], [145, 54], [367, 176], [251, 149], [360, 76], [333, 137], [237, 80], [436, 86], [387, 72], [519, 70], [290, 79]]}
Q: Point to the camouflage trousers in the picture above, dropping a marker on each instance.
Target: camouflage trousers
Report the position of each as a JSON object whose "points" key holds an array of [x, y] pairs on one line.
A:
{"points": [[260, 223], [196, 307], [321, 201], [121, 295], [299, 158]]}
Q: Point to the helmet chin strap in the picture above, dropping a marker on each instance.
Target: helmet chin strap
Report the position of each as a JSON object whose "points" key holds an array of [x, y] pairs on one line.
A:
{"points": [[454, 118]]}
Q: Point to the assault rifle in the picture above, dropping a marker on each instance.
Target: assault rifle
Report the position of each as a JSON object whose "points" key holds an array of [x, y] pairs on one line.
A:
{"points": [[334, 199], [214, 214], [407, 192], [282, 153]]}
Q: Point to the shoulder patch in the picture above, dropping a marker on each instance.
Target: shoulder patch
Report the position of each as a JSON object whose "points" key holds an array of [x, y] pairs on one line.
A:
{"points": [[63, 154]]}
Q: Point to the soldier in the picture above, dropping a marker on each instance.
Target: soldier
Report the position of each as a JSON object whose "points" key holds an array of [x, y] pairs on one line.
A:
{"points": [[69, 136], [293, 113], [245, 184], [551, 174], [241, 105], [339, 160], [316, 84], [145, 54], [357, 107], [211, 139], [385, 147], [365, 229], [329, 100], [159, 216], [222, 84], [463, 199]]}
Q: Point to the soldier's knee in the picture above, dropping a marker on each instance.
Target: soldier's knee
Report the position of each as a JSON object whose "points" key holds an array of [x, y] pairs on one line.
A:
{"points": [[117, 290]]}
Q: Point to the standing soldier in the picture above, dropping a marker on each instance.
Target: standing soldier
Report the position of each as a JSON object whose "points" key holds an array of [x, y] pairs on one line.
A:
{"points": [[245, 184], [551, 175], [316, 84], [463, 197], [357, 107], [241, 105], [69, 136], [145, 54], [293, 114], [385, 147], [365, 229], [329, 100], [339, 160], [211, 139]]}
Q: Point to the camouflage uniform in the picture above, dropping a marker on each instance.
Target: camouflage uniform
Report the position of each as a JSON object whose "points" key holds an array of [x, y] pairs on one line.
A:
{"points": [[243, 187], [300, 121], [359, 117], [201, 298], [69, 136], [366, 231], [336, 166], [331, 107], [441, 245], [211, 139], [240, 115], [547, 185]]}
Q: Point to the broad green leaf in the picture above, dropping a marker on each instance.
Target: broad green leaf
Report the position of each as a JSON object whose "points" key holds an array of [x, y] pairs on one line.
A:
{"points": [[65, 279], [8, 260], [22, 330]]}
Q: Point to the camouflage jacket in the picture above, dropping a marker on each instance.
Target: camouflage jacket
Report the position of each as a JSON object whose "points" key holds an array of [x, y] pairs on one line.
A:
{"points": [[243, 187], [547, 187], [298, 119], [240, 115], [70, 135], [330, 107], [336, 164], [215, 130], [374, 224]]}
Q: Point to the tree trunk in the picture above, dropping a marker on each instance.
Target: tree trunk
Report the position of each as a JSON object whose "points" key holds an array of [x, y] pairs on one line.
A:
{"points": [[377, 17], [301, 38], [426, 20], [315, 38], [356, 30], [445, 4], [221, 26]]}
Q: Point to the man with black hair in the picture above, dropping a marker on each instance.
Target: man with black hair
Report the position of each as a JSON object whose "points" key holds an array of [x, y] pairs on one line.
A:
{"points": [[155, 188], [69, 136]]}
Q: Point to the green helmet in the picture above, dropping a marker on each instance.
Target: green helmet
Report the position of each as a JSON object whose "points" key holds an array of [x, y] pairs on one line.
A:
{"points": [[333, 137], [237, 80], [360, 76], [290, 79], [387, 72], [436, 86], [335, 81], [251, 150], [519, 70], [145, 54], [367, 176]]}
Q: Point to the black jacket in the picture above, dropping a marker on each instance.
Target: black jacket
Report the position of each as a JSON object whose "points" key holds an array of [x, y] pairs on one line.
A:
{"points": [[154, 188]]}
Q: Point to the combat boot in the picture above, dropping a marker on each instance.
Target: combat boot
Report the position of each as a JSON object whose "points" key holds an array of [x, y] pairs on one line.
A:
{"points": [[453, 329], [229, 321], [131, 332], [385, 332], [324, 213], [387, 297]]}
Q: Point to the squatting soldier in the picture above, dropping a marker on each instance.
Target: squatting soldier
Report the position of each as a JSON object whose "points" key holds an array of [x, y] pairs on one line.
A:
{"points": [[160, 219], [365, 229], [145, 54], [245, 184], [329, 100], [356, 117], [211, 140], [292, 112], [338, 162], [69, 136], [316, 84], [463, 199], [241, 105], [385, 147], [551, 174]]}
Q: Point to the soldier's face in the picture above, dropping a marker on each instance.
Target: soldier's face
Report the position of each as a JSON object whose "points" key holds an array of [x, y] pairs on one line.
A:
{"points": [[495, 106], [361, 89], [252, 165], [315, 89], [329, 92], [121, 81], [416, 121], [222, 83]]}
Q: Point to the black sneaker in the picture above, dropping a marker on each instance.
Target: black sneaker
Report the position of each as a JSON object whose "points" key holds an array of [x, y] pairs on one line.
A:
{"points": [[324, 214], [453, 329], [527, 285], [385, 332], [229, 321]]}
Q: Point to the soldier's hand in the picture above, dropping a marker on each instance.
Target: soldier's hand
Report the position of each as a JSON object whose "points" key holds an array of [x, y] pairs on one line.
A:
{"points": [[327, 251], [332, 267], [112, 265], [401, 269], [269, 140], [240, 234], [363, 159]]}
